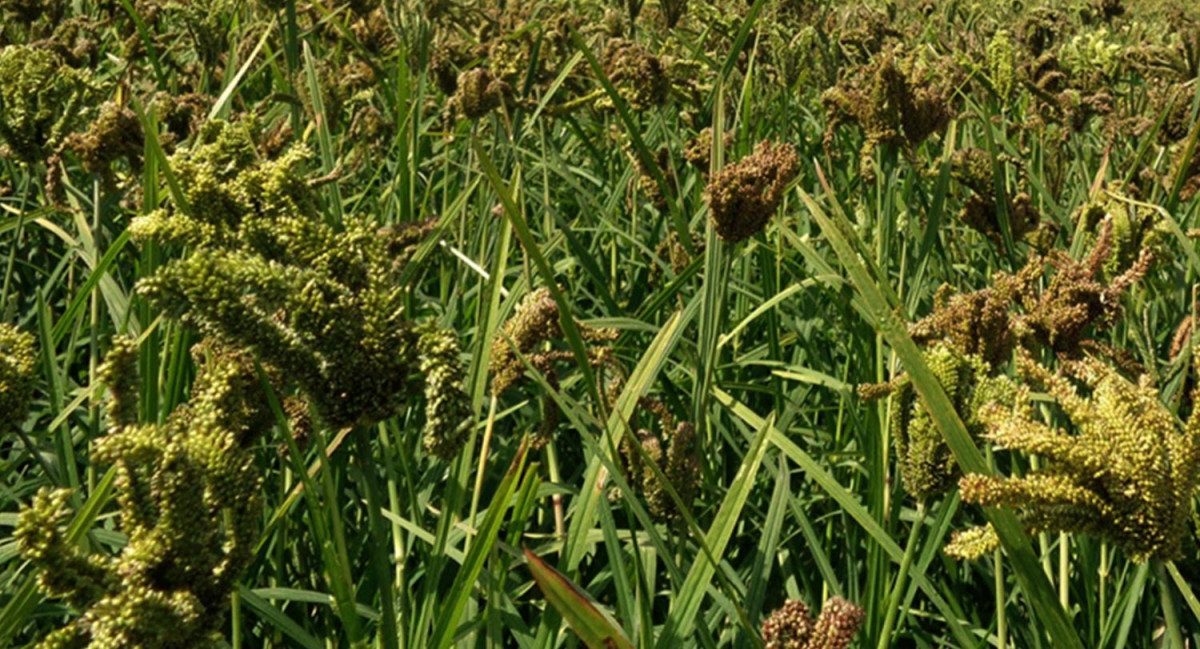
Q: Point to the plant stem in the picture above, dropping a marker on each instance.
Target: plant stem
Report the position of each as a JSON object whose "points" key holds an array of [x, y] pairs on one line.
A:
{"points": [[1001, 600], [12, 252], [893, 606], [479, 472], [1174, 630], [389, 637], [1064, 567]]}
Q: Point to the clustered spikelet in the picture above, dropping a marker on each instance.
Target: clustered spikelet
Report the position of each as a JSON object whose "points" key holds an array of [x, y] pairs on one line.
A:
{"points": [[1136, 229], [972, 543], [319, 306], [478, 93], [526, 334], [1126, 473], [899, 98], [182, 115], [1061, 99], [673, 451], [120, 373], [645, 179], [41, 101], [1075, 301], [1002, 64], [1077, 297], [1182, 338], [637, 75], [189, 500], [447, 411], [969, 337], [976, 323], [743, 196], [17, 360], [23, 11], [926, 463], [115, 133], [698, 152], [973, 167], [672, 251], [791, 626], [300, 422]]}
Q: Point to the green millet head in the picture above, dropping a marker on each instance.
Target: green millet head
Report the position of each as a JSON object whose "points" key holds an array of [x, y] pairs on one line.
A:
{"points": [[638, 76], [1002, 64], [189, 497], [318, 305], [120, 374], [41, 101], [926, 463], [68, 572], [743, 196], [447, 406], [1127, 474], [972, 543], [17, 364]]}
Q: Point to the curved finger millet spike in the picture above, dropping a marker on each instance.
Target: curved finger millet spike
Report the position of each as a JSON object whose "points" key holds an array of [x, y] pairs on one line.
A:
{"points": [[188, 493], [1126, 474], [320, 306]]}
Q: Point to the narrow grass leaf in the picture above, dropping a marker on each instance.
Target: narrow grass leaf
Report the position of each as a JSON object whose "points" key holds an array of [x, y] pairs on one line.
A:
{"points": [[595, 627]]}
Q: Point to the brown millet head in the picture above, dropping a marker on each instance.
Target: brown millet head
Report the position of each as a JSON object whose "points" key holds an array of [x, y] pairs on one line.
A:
{"points": [[840, 620], [535, 320], [479, 93], [789, 627], [116, 133], [1182, 337], [743, 196]]}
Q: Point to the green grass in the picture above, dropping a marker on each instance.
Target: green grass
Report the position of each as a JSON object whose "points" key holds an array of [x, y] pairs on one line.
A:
{"points": [[367, 540]]}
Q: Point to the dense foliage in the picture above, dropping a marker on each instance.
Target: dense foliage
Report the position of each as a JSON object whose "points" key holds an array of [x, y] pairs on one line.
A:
{"points": [[606, 323]]}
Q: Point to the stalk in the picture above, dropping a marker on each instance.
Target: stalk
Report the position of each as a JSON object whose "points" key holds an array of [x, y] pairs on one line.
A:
{"points": [[12, 252], [1064, 566], [560, 525], [1103, 579], [893, 606], [483, 455], [1174, 629], [1001, 599], [389, 637]]}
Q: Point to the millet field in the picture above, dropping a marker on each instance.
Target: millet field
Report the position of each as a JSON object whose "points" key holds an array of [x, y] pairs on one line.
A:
{"points": [[604, 324]]}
